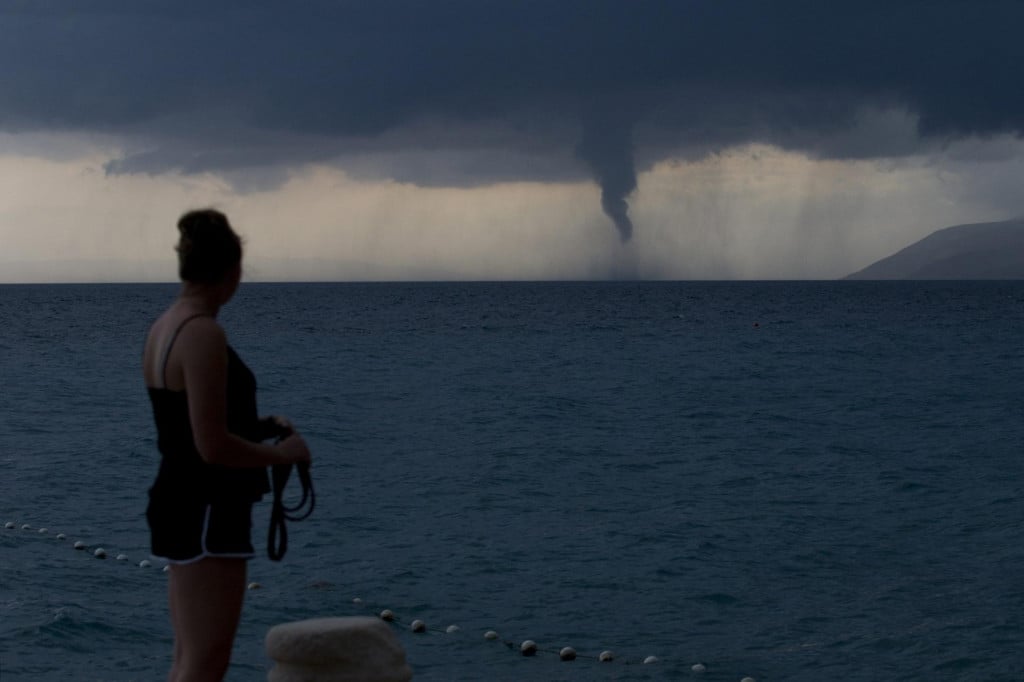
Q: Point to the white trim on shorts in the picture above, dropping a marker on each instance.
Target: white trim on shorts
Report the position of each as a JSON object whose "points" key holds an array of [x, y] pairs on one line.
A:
{"points": [[205, 553]]}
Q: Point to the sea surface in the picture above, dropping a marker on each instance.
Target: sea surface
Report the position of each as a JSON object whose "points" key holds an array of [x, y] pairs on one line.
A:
{"points": [[783, 480]]}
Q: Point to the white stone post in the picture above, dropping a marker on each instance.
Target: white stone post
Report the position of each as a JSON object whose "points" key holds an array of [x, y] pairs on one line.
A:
{"points": [[354, 649]]}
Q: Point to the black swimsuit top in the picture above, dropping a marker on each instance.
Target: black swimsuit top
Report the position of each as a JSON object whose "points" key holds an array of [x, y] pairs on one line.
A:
{"points": [[182, 469]]}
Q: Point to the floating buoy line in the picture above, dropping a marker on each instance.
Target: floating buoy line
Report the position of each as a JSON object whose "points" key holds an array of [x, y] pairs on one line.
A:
{"points": [[79, 545], [527, 647]]}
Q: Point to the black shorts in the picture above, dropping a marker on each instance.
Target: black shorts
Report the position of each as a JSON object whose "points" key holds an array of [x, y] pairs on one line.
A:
{"points": [[187, 530]]}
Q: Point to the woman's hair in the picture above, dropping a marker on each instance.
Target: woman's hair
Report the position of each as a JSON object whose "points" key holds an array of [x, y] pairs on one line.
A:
{"points": [[208, 248]]}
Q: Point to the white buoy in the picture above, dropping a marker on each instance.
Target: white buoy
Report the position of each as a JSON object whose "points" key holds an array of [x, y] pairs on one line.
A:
{"points": [[167, 568], [61, 536], [606, 657], [10, 525], [650, 659], [490, 634], [253, 586], [145, 563], [528, 648], [698, 668], [44, 531], [567, 654], [122, 557], [357, 600], [79, 545], [100, 553], [418, 626], [748, 679], [452, 628], [26, 527], [387, 615]]}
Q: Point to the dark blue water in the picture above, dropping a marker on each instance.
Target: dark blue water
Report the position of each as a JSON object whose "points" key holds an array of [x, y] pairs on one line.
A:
{"points": [[792, 481]]}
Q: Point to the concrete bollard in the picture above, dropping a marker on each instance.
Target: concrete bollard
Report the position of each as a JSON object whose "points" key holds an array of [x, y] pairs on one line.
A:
{"points": [[354, 649]]}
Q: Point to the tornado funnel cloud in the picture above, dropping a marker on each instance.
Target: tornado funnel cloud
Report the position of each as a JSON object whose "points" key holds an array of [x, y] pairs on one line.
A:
{"points": [[617, 208], [607, 148]]}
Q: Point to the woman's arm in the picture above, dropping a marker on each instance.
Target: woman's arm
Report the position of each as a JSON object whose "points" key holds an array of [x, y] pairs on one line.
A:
{"points": [[202, 353]]}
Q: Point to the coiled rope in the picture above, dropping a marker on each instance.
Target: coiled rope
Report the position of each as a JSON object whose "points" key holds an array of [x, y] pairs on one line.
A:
{"points": [[277, 536]]}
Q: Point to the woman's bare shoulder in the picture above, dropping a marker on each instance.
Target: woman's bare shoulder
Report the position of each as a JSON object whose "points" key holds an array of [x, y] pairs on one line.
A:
{"points": [[175, 321], [200, 331], [182, 332]]}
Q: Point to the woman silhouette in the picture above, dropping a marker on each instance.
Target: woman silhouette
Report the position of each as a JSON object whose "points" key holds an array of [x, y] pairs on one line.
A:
{"points": [[213, 464]]}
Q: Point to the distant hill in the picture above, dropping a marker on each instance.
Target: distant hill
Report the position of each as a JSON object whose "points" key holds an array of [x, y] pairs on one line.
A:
{"points": [[976, 251]]}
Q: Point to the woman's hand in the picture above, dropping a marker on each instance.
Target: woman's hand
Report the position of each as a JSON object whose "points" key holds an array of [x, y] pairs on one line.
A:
{"points": [[281, 426], [294, 448]]}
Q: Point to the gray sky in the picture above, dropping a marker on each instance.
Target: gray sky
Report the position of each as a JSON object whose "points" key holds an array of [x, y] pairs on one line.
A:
{"points": [[466, 139]]}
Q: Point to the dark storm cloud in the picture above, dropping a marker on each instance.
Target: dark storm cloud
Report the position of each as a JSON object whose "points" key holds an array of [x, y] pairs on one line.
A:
{"points": [[541, 89]]}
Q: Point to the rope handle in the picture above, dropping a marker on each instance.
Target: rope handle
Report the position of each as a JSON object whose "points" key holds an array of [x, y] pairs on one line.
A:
{"points": [[277, 535]]}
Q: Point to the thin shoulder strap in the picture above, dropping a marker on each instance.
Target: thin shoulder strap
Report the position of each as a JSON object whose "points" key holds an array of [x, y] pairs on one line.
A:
{"points": [[167, 349]]}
